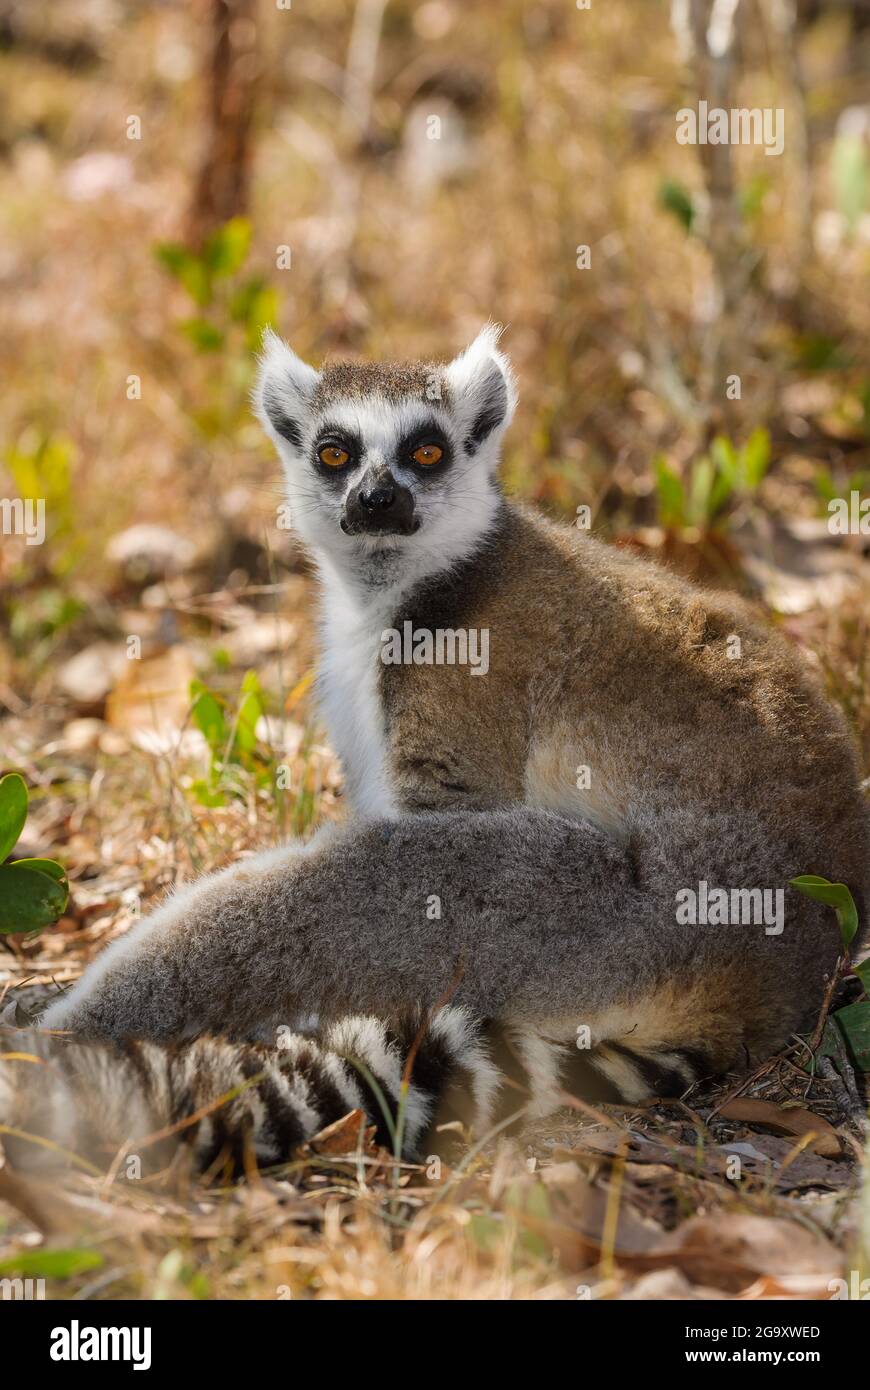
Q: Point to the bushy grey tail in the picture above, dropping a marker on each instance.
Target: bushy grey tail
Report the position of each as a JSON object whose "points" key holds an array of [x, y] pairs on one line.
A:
{"points": [[237, 1104]]}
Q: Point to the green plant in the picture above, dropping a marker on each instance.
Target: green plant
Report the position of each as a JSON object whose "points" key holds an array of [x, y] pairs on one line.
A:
{"points": [[676, 199], [41, 468], [223, 297], [852, 1020], [33, 892], [814, 352], [38, 618], [751, 197], [232, 307], [231, 739], [715, 481]]}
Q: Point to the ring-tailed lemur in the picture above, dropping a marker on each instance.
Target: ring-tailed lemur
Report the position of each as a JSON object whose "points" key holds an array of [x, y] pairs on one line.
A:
{"points": [[590, 844]]}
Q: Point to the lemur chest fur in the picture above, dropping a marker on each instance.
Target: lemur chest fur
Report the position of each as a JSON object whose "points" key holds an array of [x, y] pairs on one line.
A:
{"points": [[351, 705]]}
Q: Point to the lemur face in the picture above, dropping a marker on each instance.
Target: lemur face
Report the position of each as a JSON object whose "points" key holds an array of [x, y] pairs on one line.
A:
{"points": [[388, 457]]}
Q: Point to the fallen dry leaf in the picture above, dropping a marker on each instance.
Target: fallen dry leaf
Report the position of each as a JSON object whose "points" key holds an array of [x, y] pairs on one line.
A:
{"points": [[795, 1121], [762, 1156], [731, 1250], [343, 1136], [152, 695]]}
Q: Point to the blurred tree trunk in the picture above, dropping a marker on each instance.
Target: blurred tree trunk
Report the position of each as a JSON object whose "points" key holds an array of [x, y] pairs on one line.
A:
{"points": [[713, 28], [229, 75], [784, 18]]}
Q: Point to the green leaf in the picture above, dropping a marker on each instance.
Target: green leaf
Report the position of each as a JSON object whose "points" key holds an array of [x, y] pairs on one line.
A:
{"points": [[725, 479], [51, 1264], [202, 334], [755, 458], [173, 257], [700, 490], [854, 1023], [837, 896], [243, 298], [676, 199], [671, 495], [818, 353], [250, 710], [29, 899], [207, 795], [208, 717], [752, 195], [719, 496], [188, 269], [13, 812], [725, 458], [43, 866], [262, 313], [226, 250], [485, 1230]]}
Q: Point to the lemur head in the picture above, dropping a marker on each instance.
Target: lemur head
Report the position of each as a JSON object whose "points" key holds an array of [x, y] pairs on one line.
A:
{"points": [[388, 460]]}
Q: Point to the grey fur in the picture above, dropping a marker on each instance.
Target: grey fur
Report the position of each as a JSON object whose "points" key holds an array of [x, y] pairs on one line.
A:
{"points": [[545, 923], [390, 380]]}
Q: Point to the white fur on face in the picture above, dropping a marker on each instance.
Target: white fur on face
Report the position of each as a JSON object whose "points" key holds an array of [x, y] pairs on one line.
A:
{"points": [[454, 510]]}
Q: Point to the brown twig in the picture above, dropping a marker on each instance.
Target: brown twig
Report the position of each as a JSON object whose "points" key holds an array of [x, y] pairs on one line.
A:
{"points": [[843, 964]]}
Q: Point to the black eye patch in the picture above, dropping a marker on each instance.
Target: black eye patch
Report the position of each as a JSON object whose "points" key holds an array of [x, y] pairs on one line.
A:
{"points": [[330, 436], [431, 433]]}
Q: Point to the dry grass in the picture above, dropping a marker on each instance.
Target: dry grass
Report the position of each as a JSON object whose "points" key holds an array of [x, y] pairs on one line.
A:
{"points": [[563, 128]]}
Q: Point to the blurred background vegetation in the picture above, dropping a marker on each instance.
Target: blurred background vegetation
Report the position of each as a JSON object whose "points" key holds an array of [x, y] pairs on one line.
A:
{"points": [[173, 176]]}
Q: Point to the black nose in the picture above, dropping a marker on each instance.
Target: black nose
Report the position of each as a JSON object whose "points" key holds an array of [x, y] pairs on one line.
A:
{"points": [[379, 505], [379, 499]]}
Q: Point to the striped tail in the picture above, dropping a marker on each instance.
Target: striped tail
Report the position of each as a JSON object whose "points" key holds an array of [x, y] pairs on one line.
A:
{"points": [[234, 1105], [652, 1073]]}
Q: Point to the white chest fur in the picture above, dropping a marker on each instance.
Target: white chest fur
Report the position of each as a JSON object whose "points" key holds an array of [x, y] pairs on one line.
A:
{"points": [[348, 681]]}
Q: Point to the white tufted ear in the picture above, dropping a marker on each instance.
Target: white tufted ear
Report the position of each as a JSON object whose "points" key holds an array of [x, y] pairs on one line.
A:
{"points": [[283, 391], [482, 388]]}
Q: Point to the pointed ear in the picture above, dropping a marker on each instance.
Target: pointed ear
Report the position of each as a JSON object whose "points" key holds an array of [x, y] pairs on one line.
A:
{"points": [[283, 391], [482, 388]]}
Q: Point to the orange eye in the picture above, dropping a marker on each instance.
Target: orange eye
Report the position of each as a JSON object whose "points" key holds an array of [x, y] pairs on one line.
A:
{"points": [[427, 454], [333, 457]]}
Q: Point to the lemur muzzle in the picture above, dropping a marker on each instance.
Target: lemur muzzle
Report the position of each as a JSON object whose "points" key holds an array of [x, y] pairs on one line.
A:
{"points": [[379, 505]]}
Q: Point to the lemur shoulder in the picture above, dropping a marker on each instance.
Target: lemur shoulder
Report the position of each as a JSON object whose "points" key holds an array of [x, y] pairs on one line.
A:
{"points": [[633, 737]]}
